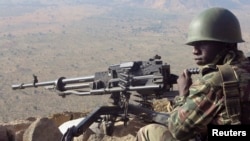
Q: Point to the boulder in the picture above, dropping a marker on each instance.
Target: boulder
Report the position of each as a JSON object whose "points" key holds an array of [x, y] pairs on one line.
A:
{"points": [[43, 129]]}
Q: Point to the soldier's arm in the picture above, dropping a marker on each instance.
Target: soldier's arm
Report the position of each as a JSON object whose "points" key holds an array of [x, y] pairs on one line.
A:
{"points": [[191, 114]]}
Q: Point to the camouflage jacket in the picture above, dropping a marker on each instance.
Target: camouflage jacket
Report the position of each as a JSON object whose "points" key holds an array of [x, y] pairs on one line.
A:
{"points": [[205, 103]]}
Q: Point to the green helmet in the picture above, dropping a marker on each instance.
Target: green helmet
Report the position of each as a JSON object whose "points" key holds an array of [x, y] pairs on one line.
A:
{"points": [[215, 24]]}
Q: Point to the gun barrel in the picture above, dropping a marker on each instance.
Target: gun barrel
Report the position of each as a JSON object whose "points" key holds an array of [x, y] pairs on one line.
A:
{"points": [[78, 79], [77, 86], [22, 86], [60, 81], [109, 90]]}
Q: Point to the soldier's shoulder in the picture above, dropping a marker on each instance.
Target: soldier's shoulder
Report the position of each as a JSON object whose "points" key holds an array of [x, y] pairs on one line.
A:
{"points": [[210, 74], [207, 69]]}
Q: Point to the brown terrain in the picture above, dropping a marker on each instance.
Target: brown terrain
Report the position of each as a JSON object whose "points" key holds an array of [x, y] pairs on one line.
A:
{"points": [[73, 39]]}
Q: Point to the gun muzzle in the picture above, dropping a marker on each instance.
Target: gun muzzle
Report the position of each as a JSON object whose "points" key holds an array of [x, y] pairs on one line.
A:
{"points": [[17, 86]]}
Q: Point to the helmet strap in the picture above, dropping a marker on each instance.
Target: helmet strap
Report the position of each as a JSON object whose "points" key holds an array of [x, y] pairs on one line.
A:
{"points": [[229, 57]]}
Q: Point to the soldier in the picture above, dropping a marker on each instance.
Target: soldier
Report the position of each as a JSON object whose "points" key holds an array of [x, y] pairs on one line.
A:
{"points": [[221, 96]]}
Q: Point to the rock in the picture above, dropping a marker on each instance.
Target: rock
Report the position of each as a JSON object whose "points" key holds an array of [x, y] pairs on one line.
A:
{"points": [[18, 125], [96, 137], [43, 129], [60, 118], [19, 135], [47, 129], [3, 134]]}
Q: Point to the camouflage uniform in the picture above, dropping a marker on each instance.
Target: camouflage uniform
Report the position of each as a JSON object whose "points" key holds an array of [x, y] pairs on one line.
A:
{"points": [[204, 105]]}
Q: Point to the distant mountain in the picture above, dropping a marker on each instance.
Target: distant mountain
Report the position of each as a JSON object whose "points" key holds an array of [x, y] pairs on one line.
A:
{"points": [[171, 5], [186, 5], [177, 5]]}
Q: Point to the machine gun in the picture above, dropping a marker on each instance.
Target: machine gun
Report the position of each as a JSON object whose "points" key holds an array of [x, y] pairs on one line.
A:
{"points": [[148, 79]]}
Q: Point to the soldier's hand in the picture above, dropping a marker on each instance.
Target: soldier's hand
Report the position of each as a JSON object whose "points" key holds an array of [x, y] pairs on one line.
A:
{"points": [[184, 82]]}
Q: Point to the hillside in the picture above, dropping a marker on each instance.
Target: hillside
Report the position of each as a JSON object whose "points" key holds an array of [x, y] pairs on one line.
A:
{"points": [[52, 39]]}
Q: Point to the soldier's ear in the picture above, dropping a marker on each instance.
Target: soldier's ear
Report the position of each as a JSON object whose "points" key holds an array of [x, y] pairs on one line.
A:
{"points": [[232, 46]]}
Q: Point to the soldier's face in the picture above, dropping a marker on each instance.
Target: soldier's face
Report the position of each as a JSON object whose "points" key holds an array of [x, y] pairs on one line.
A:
{"points": [[205, 52]]}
